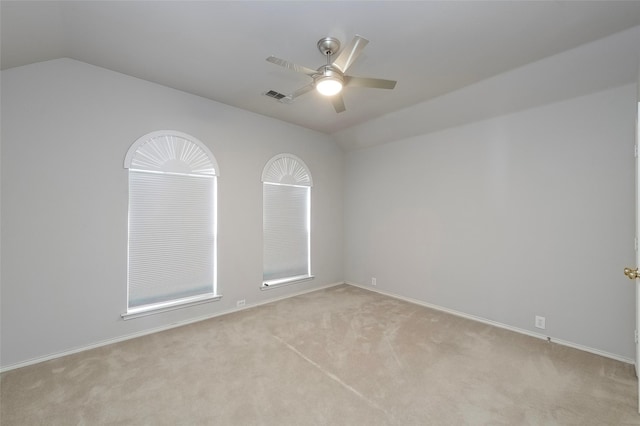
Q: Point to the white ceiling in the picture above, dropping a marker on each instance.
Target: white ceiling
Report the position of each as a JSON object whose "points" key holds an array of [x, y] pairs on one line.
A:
{"points": [[217, 49]]}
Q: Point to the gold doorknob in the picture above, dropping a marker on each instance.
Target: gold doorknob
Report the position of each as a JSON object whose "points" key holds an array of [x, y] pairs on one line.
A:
{"points": [[632, 273]]}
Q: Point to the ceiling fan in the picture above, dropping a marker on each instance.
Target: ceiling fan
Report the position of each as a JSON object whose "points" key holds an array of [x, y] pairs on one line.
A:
{"points": [[330, 79]]}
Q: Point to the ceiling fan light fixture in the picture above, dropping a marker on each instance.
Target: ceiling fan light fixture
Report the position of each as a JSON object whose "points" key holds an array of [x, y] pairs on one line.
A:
{"points": [[328, 86]]}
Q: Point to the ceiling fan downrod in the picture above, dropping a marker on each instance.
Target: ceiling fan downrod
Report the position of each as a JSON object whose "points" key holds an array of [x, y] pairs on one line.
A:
{"points": [[330, 82]]}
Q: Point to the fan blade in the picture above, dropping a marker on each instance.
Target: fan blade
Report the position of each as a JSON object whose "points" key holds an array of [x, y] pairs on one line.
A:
{"points": [[350, 53], [292, 66], [301, 91], [338, 103], [376, 83]]}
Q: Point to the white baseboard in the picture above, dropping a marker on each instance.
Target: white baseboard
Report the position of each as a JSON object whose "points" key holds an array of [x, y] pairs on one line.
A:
{"points": [[157, 329], [496, 324], [275, 299]]}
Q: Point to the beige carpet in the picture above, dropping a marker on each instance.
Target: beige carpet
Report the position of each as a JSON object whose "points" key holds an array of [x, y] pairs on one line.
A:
{"points": [[341, 356]]}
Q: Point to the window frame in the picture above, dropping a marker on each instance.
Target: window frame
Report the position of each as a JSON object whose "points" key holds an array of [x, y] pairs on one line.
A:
{"points": [[290, 171], [172, 153]]}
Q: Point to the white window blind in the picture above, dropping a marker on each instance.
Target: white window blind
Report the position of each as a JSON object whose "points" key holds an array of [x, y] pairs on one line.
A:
{"points": [[171, 237], [286, 220], [172, 222], [285, 231]]}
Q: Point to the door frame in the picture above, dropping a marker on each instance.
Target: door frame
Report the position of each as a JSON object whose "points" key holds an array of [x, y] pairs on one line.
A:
{"points": [[637, 252]]}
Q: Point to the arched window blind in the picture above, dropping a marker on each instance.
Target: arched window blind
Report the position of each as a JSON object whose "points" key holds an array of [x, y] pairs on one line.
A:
{"points": [[286, 220], [172, 222]]}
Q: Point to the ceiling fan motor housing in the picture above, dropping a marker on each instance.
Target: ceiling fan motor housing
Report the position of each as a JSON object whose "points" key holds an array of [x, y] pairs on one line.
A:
{"points": [[328, 71]]}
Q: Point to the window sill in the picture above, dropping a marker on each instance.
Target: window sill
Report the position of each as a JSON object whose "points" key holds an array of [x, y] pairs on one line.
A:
{"points": [[267, 285], [169, 306]]}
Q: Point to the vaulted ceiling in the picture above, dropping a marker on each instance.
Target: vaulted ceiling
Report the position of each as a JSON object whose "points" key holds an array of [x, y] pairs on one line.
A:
{"points": [[217, 49]]}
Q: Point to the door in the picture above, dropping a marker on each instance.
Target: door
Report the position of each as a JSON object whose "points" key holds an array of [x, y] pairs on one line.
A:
{"points": [[633, 273]]}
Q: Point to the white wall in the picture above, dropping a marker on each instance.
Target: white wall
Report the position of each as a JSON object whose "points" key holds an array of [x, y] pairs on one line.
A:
{"points": [[521, 215], [66, 127]]}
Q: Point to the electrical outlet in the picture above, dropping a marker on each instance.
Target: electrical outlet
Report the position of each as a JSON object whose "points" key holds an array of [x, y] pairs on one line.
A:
{"points": [[240, 303], [373, 281], [540, 322]]}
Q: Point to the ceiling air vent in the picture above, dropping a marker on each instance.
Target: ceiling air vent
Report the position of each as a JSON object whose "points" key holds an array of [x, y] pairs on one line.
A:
{"points": [[280, 97]]}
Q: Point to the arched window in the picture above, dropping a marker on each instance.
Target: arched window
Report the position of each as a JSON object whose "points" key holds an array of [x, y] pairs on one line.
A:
{"points": [[172, 223], [286, 210]]}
